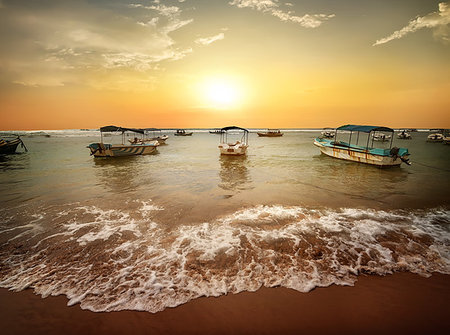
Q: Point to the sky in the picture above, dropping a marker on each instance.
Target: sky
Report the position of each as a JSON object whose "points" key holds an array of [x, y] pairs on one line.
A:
{"points": [[212, 63]]}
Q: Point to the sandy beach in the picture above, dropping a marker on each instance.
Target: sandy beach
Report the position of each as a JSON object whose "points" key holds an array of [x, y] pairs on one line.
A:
{"points": [[402, 303]]}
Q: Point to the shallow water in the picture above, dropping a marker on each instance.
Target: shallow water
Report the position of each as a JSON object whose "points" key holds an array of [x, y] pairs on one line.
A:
{"points": [[149, 232]]}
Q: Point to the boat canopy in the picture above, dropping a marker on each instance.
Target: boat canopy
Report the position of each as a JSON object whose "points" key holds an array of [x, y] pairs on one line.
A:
{"points": [[364, 129], [113, 129], [233, 127]]}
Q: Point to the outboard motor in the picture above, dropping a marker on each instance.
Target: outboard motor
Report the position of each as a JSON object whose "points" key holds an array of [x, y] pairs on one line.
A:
{"points": [[394, 154]]}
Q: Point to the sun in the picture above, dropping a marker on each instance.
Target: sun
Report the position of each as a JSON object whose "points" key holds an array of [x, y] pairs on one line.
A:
{"points": [[220, 93]]}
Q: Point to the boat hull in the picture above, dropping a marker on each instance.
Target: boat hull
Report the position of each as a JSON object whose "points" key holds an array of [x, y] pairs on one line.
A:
{"points": [[9, 147], [105, 150], [185, 134], [357, 156], [233, 150]]}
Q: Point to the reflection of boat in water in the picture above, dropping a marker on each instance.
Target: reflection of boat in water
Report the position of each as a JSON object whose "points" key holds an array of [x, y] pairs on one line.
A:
{"points": [[328, 133], [216, 131], [182, 132], [403, 135], [9, 144], [234, 174], [119, 150], [436, 135], [270, 133], [238, 144], [382, 157]]}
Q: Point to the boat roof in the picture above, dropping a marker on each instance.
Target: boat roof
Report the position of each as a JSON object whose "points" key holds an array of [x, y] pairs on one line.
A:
{"points": [[113, 129], [233, 127], [364, 129]]}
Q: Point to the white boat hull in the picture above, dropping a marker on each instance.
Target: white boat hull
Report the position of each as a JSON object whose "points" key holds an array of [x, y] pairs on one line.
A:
{"points": [[360, 157], [233, 150]]}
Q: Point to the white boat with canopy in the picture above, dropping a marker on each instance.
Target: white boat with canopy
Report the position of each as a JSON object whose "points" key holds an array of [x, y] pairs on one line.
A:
{"points": [[154, 134], [368, 154], [233, 141], [137, 147]]}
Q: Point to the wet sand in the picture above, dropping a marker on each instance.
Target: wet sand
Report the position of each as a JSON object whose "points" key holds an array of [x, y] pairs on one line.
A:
{"points": [[402, 303]]}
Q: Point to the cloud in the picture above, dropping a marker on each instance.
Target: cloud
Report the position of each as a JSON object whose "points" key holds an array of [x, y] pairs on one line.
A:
{"points": [[209, 40], [438, 21], [273, 7], [85, 42]]}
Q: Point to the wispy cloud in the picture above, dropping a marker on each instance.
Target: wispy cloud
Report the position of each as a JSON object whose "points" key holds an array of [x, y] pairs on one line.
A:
{"points": [[438, 21], [273, 7], [209, 40], [78, 44]]}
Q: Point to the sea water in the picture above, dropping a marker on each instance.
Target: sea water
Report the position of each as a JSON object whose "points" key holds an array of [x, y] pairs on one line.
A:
{"points": [[156, 231]]}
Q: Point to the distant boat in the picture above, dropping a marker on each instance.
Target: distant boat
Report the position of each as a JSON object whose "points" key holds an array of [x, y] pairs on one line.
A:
{"points": [[270, 133], [9, 144], [380, 137], [182, 132], [436, 135], [233, 141], [216, 131], [403, 135], [119, 150], [328, 133], [367, 154]]}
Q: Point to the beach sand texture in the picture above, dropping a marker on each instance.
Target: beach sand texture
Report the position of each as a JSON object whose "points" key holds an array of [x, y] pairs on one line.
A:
{"points": [[402, 303]]}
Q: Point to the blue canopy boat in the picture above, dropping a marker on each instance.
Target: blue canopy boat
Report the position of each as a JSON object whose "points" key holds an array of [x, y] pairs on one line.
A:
{"points": [[137, 147], [368, 154]]}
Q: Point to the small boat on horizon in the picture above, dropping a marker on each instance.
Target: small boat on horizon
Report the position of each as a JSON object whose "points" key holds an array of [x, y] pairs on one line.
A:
{"points": [[136, 147], [436, 136], [403, 135], [380, 137], [328, 133], [368, 154], [182, 132], [270, 133], [9, 144], [238, 144], [216, 131]]}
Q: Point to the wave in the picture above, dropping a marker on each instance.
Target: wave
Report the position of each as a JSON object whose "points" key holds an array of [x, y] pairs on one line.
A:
{"points": [[110, 260]]}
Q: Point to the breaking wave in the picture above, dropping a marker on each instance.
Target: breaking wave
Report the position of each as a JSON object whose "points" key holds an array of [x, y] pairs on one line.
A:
{"points": [[111, 260]]}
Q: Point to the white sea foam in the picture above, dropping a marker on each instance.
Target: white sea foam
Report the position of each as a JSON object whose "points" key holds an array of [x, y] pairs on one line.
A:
{"points": [[109, 260]]}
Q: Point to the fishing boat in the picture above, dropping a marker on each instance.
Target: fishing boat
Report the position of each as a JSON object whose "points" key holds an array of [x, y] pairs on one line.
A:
{"points": [[137, 147], [270, 133], [182, 132], [403, 135], [380, 137], [9, 144], [436, 135], [154, 134], [233, 141], [368, 154], [328, 133]]}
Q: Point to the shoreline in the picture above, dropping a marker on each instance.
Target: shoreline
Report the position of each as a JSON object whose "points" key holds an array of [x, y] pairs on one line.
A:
{"points": [[402, 303]]}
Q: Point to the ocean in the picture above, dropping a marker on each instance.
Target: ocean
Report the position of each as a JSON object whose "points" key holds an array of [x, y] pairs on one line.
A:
{"points": [[151, 232]]}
